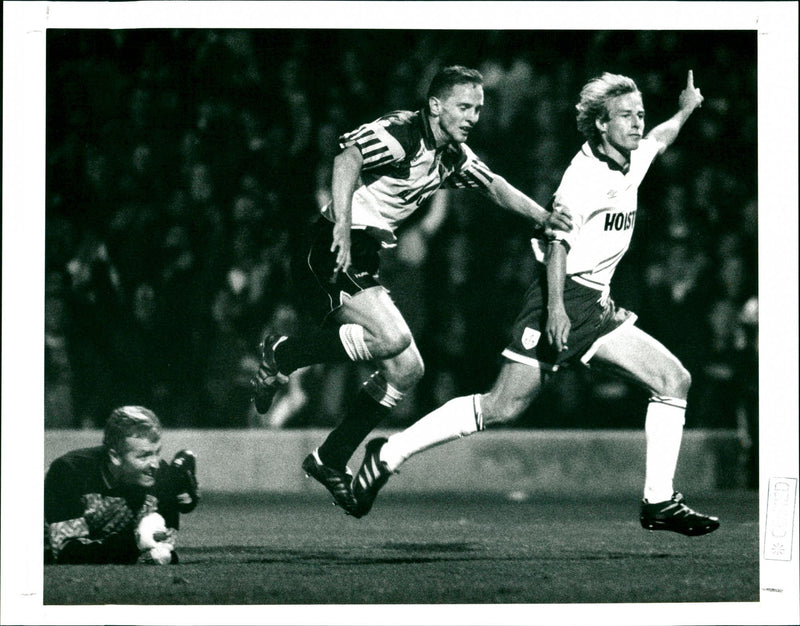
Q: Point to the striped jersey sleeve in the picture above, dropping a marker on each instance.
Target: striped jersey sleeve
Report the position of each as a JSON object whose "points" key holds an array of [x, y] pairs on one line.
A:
{"points": [[471, 174], [377, 145]]}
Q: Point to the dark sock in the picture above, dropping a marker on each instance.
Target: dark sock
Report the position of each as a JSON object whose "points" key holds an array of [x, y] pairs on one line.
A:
{"points": [[321, 345], [365, 414]]}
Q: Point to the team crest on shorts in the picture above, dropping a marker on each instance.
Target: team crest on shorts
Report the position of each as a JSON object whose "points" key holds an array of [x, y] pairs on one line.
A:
{"points": [[530, 337]]}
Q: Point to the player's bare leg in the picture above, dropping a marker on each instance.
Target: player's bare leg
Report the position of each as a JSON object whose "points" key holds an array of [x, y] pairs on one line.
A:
{"points": [[379, 331], [386, 333], [516, 387], [369, 327], [376, 397], [399, 367], [634, 355]]}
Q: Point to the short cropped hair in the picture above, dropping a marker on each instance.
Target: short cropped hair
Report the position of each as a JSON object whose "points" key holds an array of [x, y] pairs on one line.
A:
{"points": [[594, 100], [448, 77], [130, 421]]}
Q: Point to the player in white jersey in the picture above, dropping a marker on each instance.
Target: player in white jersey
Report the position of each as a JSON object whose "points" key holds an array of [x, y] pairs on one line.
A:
{"points": [[602, 198], [386, 170], [569, 315]]}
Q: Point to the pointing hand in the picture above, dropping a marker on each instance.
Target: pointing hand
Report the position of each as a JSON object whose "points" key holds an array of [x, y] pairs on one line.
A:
{"points": [[690, 97]]}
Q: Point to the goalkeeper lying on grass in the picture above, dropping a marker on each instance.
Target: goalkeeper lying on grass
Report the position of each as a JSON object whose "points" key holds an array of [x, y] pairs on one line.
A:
{"points": [[118, 502]]}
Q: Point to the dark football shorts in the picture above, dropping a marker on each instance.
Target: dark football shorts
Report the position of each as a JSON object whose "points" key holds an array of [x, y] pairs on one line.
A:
{"points": [[593, 319], [364, 263]]}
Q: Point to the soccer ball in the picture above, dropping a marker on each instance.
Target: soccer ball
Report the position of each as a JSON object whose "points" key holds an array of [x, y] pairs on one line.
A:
{"points": [[150, 526], [161, 554]]}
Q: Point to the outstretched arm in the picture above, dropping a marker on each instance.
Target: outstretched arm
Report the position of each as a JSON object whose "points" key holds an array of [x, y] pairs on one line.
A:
{"points": [[511, 198], [689, 99]]}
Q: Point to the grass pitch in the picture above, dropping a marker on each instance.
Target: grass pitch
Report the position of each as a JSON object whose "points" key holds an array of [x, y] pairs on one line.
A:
{"points": [[448, 549]]}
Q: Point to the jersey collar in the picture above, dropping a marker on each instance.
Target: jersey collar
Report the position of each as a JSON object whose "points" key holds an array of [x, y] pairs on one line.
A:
{"points": [[105, 472], [425, 130], [611, 163]]}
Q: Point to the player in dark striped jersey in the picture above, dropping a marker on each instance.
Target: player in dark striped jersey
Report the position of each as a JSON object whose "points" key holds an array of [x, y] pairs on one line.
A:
{"points": [[95, 498], [569, 316], [385, 171]]}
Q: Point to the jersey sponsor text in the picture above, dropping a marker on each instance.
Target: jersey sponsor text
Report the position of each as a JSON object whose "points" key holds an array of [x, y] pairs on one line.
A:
{"points": [[620, 221]]}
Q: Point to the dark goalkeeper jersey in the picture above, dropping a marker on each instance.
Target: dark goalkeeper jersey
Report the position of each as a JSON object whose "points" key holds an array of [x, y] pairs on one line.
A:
{"points": [[90, 520]]}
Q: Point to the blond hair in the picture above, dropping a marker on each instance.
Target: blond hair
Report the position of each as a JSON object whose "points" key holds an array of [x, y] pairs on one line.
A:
{"points": [[130, 421], [594, 98]]}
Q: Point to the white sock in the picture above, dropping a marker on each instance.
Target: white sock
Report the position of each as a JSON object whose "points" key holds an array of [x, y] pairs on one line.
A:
{"points": [[663, 428], [457, 418]]}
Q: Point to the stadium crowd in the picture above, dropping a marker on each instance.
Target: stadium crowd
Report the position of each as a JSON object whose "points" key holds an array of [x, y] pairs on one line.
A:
{"points": [[183, 167]]}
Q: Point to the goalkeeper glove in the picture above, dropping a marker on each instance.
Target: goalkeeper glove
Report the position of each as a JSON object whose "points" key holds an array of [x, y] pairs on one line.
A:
{"points": [[183, 480]]}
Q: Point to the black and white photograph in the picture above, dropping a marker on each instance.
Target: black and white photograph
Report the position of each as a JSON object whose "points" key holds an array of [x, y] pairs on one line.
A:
{"points": [[400, 313]]}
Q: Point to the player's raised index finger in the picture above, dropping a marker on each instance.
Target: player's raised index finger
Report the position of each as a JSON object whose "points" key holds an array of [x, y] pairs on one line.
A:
{"points": [[690, 79]]}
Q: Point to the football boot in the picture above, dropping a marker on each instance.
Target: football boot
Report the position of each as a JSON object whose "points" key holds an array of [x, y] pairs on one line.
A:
{"points": [[371, 476], [266, 383], [674, 515], [336, 481]]}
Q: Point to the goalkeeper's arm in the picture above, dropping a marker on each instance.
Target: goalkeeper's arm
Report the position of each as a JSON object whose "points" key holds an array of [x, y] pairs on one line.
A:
{"points": [[68, 528]]}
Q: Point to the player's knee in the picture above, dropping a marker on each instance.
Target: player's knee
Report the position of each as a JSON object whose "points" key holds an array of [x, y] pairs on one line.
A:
{"points": [[417, 370], [392, 341], [407, 373], [499, 409], [684, 381], [676, 382]]}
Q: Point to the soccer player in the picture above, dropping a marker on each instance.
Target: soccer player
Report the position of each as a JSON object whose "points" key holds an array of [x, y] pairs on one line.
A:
{"points": [[568, 315], [386, 170], [96, 498]]}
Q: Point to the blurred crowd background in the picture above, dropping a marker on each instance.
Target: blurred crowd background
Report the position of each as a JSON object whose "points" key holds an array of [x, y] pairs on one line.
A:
{"points": [[184, 167]]}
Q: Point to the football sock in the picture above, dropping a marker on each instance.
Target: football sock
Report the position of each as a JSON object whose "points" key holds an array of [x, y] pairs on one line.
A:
{"points": [[320, 345], [460, 417], [663, 431], [371, 406]]}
